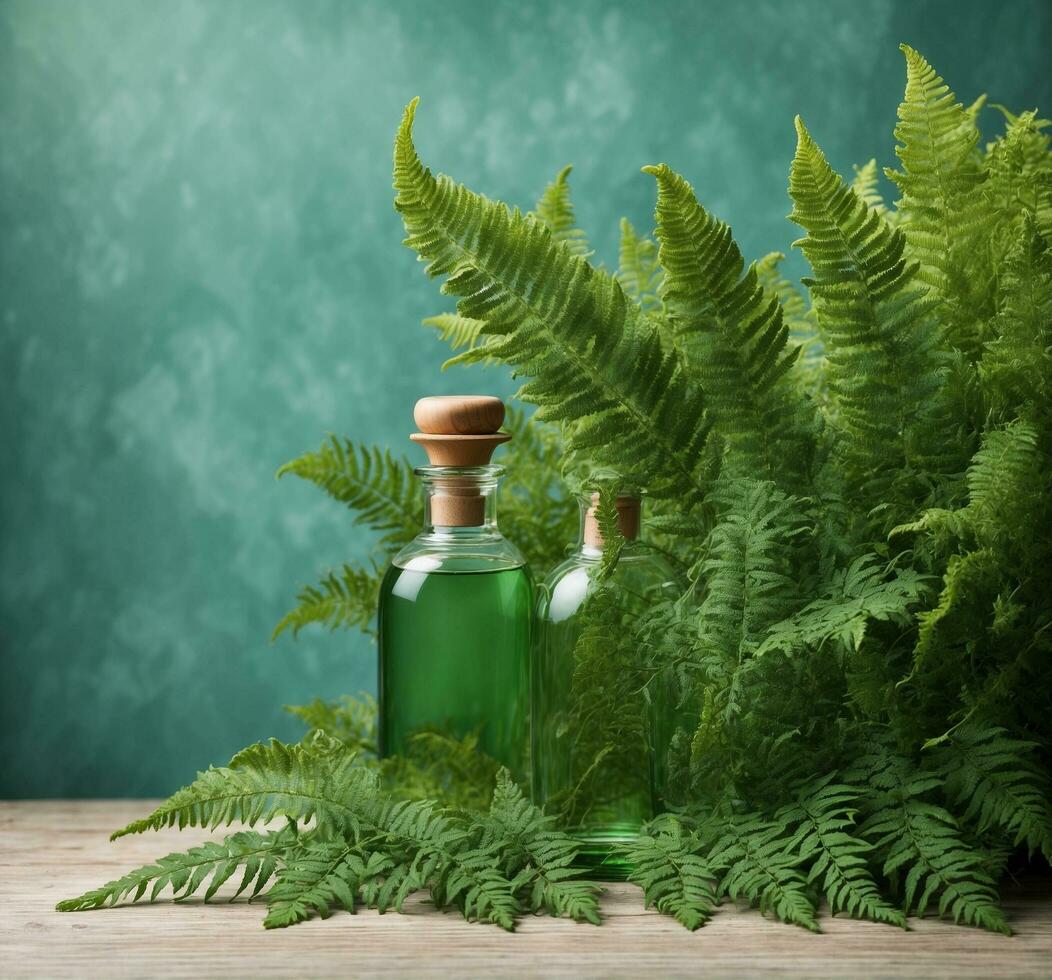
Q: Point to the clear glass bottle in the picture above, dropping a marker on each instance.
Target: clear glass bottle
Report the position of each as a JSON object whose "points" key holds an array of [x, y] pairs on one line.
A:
{"points": [[592, 759], [455, 611]]}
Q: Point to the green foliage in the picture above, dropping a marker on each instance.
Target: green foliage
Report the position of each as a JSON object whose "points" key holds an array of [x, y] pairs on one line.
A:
{"points": [[674, 879], [365, 847], [347, 599], [734, 334], [639, 269], [855, 480], [595, 362], [184, 873], [555, 211], [885, 372]]}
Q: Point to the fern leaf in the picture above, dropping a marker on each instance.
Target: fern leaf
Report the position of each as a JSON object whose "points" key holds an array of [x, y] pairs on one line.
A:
{"points": [[555, 211], [942, 206], [763, 868], [339, 601], [824, 817], [675, 880], [317, 877], [187, 871], [1016, 367], [317, 779], [994, 780], [639, 269], [876, 324], [536, 856], [377, 486], [858, 595], [594, 360], [461, 333], [352, 720], [866, 186], [921, 841], [739, 340]]}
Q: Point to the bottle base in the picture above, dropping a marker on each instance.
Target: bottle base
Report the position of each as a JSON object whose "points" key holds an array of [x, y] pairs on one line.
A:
{"points": [[602, 854]]}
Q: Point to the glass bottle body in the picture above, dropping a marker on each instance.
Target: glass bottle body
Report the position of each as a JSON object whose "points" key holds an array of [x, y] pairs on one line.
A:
{"points": [[592, 716], [454, 627]]}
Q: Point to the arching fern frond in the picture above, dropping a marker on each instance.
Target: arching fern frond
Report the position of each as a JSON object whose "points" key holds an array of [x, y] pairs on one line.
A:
{"points": [[736, 335], [187, 871], [341, 600], [875, 320], [555, 211], [920, 840], [799, 317], [317, 779], [943, 208], [823, 817], [994, 780], [378, 487], [594, 360]]}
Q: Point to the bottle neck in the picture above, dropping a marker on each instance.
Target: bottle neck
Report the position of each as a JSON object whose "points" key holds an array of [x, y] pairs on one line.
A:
{"points": [[460, 502], [629, 520]]}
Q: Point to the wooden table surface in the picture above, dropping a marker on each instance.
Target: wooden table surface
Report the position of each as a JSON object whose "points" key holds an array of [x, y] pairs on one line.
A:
{"points": [[55, 850]]}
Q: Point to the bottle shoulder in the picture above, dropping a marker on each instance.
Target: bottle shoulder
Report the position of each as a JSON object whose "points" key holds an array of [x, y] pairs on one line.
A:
{"points": [[640, 573], [455, 551]]}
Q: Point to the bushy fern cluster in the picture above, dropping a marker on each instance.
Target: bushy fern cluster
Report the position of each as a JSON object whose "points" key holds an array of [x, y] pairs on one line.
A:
{"points": [[855, 478]]}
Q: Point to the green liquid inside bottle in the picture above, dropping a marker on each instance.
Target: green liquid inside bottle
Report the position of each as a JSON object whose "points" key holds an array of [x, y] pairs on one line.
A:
{"points": [[455, 649]]}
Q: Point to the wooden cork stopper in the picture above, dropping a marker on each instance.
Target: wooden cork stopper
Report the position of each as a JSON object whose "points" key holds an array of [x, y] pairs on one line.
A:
{"points": [[628, 517], [458, 430]]}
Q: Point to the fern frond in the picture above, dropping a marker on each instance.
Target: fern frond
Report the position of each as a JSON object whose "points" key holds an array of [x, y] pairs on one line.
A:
{"points": [[876, 323], [378, 487], [738, 340], [1016, 367], [639, 269], [555, 211], [942, 207], [858, 595], [675, 880], [823, 817], [339, 601], [320, 876], [921, 841], [317, 779], [594, 360], [993, 779], [459, 332], [536, 856], [352, 720], [185, 872], [763, 868], [866, 186]]}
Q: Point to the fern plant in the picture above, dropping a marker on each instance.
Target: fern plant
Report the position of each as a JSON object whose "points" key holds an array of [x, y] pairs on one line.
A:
{"points": [[852, 475]]}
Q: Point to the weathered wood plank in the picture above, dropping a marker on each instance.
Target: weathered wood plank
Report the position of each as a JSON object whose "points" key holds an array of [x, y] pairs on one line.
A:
{"points": [[55, 850]]}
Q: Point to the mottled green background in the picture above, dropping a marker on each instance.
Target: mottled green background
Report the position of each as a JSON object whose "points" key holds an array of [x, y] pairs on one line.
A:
{"points": [[202, 274]]}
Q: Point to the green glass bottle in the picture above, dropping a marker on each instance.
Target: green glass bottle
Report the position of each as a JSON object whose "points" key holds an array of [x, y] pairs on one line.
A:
{"points": [[456, 604], [592, 759]]}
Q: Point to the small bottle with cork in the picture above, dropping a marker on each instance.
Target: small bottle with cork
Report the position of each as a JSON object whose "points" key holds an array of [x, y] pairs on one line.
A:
{"points": [[456, 604], [591, 755]]}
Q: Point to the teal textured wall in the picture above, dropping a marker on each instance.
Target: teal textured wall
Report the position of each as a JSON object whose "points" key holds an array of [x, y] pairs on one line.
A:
{"points": [[202, 274]]}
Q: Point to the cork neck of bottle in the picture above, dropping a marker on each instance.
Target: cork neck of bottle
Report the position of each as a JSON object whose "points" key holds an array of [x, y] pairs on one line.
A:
{"points": [[459, 434], [629, 516]]}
